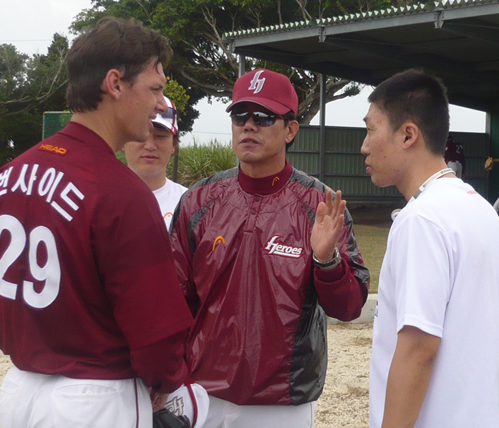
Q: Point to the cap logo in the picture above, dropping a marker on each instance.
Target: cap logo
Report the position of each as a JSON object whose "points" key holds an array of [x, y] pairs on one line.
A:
{"points": [[256, 84]]}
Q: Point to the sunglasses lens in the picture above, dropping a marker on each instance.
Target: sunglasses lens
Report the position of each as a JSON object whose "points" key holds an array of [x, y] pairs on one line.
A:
{"points": [[263, 119], [239, 119], [260, 119]]}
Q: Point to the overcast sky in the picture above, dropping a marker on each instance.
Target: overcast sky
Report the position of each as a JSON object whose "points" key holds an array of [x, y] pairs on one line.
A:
{"points": [[31, 24]]}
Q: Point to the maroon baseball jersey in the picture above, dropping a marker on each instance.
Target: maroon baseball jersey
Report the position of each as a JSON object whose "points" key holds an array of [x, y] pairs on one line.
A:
{"points": [[86, 266], [454, 151]]}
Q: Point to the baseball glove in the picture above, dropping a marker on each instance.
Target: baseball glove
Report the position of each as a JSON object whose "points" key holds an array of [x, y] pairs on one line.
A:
{"points": [[166, 419], [489, 163]]}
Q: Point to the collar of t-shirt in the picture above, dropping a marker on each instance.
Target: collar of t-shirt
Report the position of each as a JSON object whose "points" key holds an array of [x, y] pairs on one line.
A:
{"points": [[265, 185]]}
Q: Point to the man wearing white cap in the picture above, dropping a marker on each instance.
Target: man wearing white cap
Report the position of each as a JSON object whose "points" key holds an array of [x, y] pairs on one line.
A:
{"points": [[149, 160], [263, 252]]}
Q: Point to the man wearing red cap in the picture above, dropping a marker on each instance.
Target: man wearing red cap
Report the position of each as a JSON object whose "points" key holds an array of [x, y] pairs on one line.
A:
{"points": [[263, 253]]}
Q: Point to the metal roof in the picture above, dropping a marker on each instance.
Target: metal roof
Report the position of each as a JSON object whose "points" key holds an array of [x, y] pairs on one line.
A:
{"points": [[456, 40]]}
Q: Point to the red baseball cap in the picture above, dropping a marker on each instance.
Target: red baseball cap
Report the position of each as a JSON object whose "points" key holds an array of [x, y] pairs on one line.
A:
{"points": [[269, 89]]}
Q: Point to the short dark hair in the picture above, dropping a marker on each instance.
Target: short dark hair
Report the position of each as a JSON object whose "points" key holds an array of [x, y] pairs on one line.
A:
{"points": [[113, 43], [417, 96]]}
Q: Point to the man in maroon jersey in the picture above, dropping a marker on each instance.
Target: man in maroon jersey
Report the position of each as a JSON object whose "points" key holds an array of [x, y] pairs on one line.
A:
{"points": [[91, 312], [454, 156], [263, 253]]}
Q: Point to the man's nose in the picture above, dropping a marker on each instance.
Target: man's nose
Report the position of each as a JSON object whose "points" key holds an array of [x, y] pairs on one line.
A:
{"points": [[250, 123], [364, 149], [150, 145], [161, 105]]}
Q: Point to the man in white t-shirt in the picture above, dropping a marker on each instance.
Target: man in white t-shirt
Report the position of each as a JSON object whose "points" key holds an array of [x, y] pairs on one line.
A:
{"points": [[435, 356], [148, 160]]}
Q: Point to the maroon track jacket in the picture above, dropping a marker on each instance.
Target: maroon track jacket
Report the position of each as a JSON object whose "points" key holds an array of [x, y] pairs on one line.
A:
{"points": [[244, 259]]}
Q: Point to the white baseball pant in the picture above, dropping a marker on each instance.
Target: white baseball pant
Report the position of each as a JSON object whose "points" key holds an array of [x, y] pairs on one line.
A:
{"points": [[33, 400], [224, 414]]}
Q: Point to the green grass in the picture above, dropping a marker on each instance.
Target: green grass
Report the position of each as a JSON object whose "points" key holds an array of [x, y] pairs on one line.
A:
{"points": [[371, 226], [200, 161], [372, 245]]}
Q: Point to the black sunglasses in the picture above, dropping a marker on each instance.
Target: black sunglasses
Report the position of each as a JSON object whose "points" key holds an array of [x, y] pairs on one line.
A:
{"points": [[260, 118]]}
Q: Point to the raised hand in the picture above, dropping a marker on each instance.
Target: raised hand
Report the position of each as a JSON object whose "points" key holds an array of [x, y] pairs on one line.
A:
{"points": [[328, 226]]}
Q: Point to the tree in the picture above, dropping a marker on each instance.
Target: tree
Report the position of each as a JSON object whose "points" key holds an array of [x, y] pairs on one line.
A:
{"points": [[203, 63], [143, 10], [180, 98], [28, 87], [27, 81]]}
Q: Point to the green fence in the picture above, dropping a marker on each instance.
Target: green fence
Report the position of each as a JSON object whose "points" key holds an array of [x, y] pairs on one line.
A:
{"points": [[345, 169]]}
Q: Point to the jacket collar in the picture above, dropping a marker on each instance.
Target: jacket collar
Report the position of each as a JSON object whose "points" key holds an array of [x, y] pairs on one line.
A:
{"points": [[265, 185]]}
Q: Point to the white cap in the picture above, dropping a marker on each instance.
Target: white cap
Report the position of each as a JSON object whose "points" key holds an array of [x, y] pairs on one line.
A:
{"points": [[167, 120], [191, 401]]}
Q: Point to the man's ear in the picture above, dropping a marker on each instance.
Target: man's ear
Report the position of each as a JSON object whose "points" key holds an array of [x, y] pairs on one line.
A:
{"points": [[112, 83], [411, 133], [293, 127]]}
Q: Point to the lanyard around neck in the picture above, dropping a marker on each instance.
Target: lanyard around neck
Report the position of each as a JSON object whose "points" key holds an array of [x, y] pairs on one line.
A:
{"points": [[432, 178]]}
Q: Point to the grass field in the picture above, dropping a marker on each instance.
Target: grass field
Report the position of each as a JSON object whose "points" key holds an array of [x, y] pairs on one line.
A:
{"points": [[371, 226]]}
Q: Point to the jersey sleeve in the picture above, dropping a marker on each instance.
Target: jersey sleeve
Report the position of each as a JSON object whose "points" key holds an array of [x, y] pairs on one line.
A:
{"points": [[420, 268], [343, 291], [162, 365]]}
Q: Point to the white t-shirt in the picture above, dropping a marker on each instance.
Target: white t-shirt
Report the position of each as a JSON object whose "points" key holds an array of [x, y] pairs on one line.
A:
{"points": [[441, 274], [168, 197]]}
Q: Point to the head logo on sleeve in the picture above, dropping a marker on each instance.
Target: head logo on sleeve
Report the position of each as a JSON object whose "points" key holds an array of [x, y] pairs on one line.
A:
{"points": [[53, 149], [256, 84], [218, 240]]}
